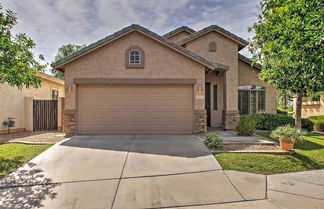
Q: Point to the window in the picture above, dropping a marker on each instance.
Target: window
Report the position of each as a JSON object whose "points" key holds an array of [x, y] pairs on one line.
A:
{"points": [[134, 57], [215, 97], [55, 94], [212, 47], [251, 99]]}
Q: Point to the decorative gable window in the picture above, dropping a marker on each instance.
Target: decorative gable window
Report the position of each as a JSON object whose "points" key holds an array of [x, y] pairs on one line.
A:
{"points": [[134, 57], [212, 47]]}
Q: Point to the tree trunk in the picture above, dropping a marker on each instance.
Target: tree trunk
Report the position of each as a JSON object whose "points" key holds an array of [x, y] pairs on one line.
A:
{"points": [[285, 101], [298, 124]]}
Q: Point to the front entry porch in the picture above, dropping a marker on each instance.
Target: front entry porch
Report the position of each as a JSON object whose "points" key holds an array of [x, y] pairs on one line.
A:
{"points": [[219, 114]]}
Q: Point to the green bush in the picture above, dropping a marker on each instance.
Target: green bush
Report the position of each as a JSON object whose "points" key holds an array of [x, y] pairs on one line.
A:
{"points": [[307, 124], [213, 141], [282, 111], [288, 134], [267, 121], [246, 127], [318, 122]]}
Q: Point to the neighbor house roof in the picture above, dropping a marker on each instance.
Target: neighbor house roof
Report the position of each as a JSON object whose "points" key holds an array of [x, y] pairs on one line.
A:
{"points": [[49, 78], [249, 61], [178, 30], [242, 43], [211, 65]]}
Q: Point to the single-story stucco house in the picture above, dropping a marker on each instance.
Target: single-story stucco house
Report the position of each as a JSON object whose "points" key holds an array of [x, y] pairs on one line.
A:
{"points": [[18, 103], [138, 82]]}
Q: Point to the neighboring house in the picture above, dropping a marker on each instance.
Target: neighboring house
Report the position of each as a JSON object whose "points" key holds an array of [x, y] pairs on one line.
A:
{"points": [[18, 103], [136, 81], [310, 108]]}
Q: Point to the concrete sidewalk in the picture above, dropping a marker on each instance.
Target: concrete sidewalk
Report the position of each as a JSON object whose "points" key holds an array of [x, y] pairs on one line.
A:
{"points": [[230, 137]]}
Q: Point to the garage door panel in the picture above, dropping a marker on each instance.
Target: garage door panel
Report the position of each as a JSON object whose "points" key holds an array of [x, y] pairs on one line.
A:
{"points": [[156, 109]]}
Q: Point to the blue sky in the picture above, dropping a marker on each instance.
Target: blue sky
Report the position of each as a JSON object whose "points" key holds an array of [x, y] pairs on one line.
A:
{"points": [[52, 23]]}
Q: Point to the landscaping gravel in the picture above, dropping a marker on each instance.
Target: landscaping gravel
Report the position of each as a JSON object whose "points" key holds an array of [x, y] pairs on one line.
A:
{"points": [[33, 137], [232, 147]]}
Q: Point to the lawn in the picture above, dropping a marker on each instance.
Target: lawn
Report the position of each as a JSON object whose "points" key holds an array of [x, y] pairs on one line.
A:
{"points": [[309, 155], [13, 156]]}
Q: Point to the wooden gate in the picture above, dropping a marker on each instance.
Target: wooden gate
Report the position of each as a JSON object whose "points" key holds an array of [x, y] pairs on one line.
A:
{"points": [[45, 115]]}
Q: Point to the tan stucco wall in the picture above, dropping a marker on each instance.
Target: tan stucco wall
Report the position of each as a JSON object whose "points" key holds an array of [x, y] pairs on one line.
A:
{"points": [[109, 62], [13, 101], [310, 108], [178, 36], [249, 76], [226, 54], [45, 91]]}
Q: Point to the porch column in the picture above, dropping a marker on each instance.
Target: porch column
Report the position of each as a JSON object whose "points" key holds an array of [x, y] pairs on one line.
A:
{"points": [[230, 100]]}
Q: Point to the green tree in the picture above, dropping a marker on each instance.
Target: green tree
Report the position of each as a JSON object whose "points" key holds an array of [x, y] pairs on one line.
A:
{"points": [[17, 62], [62, 52], [288, 42]]}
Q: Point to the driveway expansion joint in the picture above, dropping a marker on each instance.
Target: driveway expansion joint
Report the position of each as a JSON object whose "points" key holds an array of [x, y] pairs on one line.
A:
{"points": [[58, 183], [204, 204], [316, 198], [273, 202], [170, 174], [266, 186], [121, 174], [233, 185], [307, 182]]}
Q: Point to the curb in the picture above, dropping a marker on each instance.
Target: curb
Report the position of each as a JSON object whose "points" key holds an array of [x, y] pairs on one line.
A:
{"points": [[279, 152], [30, 143]]}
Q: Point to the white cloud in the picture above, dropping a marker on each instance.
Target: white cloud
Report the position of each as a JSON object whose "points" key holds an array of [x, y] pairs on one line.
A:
{"points": [[54, 23]]}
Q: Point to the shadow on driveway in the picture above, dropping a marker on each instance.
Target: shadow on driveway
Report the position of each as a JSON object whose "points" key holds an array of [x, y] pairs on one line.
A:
{"points": [[37, 188], [172, 145]]}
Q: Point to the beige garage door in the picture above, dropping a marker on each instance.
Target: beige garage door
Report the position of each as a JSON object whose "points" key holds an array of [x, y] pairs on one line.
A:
{"points": [[135, 109]]}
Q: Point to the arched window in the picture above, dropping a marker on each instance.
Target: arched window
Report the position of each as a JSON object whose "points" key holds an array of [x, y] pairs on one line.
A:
{"points": [[251, 99], [212, 47], [134, 57]]}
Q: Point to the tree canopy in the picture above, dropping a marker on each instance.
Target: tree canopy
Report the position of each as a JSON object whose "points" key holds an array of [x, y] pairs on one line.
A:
{"points": [[18, 64], [62, 52], [288, 42]]}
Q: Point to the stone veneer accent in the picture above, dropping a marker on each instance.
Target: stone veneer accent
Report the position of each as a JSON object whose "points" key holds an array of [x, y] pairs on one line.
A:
{"points": [[200, 121], [69, 122], [230, 119]]}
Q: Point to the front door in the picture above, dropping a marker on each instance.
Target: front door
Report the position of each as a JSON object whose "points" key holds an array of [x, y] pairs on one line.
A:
{"points": [[207, 102]]}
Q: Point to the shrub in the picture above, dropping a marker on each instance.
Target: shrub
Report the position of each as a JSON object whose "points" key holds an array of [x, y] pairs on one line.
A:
{"points": [[213, 141], [281, 111], [307, 124], [246, 127], [288, 134], [267, 121], [318, 122]]}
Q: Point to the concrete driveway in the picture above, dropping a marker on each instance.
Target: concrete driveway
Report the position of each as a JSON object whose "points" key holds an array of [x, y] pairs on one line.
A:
{"points": [[131, 171], [119, 171]]}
